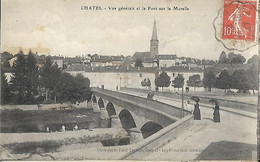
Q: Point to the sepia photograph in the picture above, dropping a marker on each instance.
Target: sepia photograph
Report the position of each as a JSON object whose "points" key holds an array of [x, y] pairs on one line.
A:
{"points": [[146, 80]]}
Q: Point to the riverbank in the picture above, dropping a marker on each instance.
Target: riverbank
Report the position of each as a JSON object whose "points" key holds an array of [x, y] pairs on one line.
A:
{"points": [[19, 121], [23, 145]]}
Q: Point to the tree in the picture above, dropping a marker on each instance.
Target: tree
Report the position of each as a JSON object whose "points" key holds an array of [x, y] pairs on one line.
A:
{"points": [[236, 58], [5, 56], [252, 77], [6, 64], [32, 78], [24, 83], [241, 59], [146, 82], [223, 81], [194, 81], [239, 80], [178, 82], [49, 76], [63, 88], [223, 58], [163, 80], [209, 79], [18, 81], [83, 87], [72, 89], [254, 58], [231, 56], [139, 63]]}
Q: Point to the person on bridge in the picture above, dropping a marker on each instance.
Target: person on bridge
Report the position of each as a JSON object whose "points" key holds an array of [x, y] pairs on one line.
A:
{"points": [[196, 111], [150, 95], [216, 115]]}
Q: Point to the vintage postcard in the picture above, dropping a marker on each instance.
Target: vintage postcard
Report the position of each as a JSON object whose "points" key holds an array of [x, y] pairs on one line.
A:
{"points": [[139, 80]]}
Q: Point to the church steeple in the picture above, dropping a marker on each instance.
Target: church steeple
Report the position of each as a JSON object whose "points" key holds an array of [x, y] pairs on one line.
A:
{"points": [[154, 36], [154, 42]]}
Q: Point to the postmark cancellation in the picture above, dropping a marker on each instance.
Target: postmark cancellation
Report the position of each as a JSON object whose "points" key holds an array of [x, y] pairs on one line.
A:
{"points": [[236, 24]]}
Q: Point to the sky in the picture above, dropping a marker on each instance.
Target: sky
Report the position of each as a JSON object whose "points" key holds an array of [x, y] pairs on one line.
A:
{"points": [[61, 27]]}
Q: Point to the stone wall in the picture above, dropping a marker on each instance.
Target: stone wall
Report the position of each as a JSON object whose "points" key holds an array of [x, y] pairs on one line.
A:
{"points": [[159, 112]]}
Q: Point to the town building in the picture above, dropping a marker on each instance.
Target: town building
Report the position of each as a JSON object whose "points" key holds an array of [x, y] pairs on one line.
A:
{"points": [[166, 60], [102, 61], [59, 63]]}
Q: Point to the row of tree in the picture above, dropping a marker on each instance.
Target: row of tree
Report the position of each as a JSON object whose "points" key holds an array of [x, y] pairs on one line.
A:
{"points": [[30, 84], [243, 80], [163, 80], [232, 58]]}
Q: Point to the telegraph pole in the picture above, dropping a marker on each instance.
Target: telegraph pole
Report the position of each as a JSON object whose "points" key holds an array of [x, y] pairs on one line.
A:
{"points": [[182, 102]]}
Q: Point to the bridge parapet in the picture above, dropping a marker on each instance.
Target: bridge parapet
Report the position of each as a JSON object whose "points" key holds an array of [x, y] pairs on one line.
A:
{"points": [[157, 111], [172, 110]]}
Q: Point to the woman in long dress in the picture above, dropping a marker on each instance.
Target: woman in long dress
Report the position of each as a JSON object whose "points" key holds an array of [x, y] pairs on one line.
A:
{"points": [[216, 115], [196, 111]]}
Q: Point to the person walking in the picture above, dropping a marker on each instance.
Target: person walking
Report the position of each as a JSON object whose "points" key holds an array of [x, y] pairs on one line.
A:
{"points": [[196, 111], [216, 114], [150, 95]]}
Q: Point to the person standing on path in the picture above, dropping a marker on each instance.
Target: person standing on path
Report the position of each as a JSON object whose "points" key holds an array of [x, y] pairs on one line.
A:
{"points": [[196, 111], [216, 114]]}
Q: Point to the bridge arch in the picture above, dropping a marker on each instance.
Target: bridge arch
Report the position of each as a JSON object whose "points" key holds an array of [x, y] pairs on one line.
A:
{"points": [[110, 109], [126, 119], [101, 103], [94, 99], [149, 128]]}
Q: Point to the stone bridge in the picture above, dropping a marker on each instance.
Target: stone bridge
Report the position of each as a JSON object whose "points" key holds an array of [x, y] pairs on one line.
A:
{"points": [[139, 116]]}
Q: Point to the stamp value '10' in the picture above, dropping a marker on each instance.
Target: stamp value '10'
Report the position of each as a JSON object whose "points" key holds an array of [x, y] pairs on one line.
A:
{"points": [[239, 20]]}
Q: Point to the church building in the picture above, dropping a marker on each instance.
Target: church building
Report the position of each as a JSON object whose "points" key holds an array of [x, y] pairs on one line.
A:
{"points": [[150, 58]]}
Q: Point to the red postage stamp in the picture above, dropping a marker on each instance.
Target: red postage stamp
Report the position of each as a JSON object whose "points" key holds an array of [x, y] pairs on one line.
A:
{"points": [[239, 20]]}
